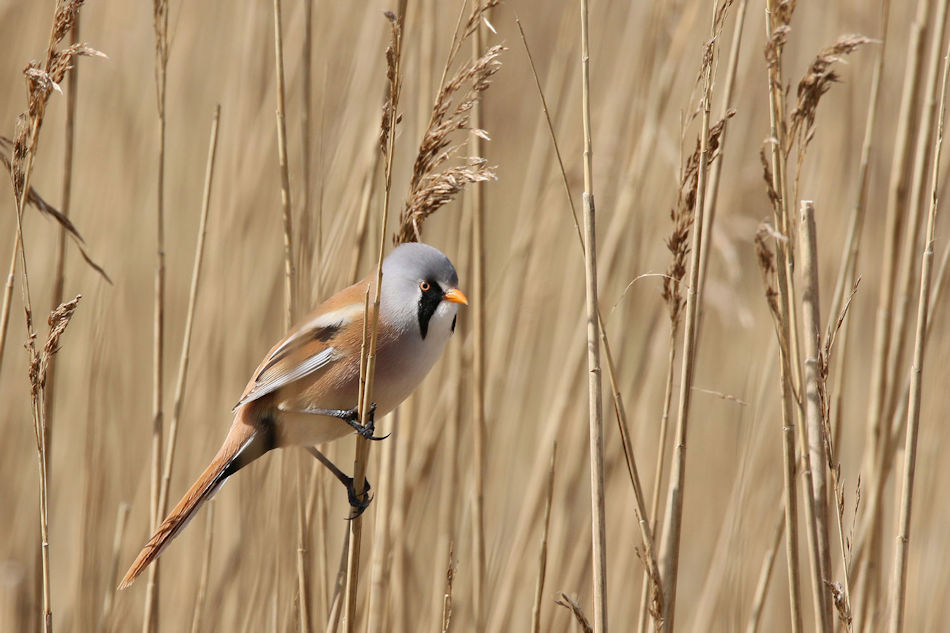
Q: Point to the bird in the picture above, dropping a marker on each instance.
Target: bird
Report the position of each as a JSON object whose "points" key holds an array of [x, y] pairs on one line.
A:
{"points": [[303, 392]]}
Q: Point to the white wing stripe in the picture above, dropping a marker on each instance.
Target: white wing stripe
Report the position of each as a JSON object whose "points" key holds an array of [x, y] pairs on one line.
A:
{"points": [[307, 367]]}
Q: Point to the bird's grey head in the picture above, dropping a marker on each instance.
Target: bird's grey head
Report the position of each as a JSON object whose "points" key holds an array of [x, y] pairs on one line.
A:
{"points": [[420, 290]]}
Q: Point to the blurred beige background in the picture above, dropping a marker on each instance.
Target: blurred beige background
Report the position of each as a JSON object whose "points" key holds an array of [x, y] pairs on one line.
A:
{"points": [[644, 64]]}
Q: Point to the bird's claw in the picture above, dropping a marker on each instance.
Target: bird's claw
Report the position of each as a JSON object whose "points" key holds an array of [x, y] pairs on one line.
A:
{"points": [[367, 430], [358, 503]]}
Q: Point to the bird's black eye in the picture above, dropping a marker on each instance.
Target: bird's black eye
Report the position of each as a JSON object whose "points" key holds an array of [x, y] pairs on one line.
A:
{"points": [[425, 286]]}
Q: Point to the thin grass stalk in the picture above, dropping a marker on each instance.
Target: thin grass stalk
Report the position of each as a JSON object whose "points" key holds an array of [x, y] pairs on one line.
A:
{"points": [[788, 354], [8, 297], [150, 618], [59, 277], [370, 331], [669, 553], [899, 579], [896, 201], [765, 575], [202, 593], [285, 201], [303, 548], [339, 587], [185, 355], [449, 478], [307, 253], [715, 171], [646, 530], [479, 592], [618, 403], [917, 201], [380, 563], [847, 270], [598, 498], [118, 535], [543, 553], [662, 441]]}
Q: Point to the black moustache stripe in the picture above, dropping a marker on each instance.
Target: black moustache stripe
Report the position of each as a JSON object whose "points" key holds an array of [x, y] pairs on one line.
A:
{"points": [[428, 303]]}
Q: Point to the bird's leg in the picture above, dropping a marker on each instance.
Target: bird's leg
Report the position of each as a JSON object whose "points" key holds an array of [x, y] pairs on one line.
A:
{"points": [[352, 417], [360, 502]]}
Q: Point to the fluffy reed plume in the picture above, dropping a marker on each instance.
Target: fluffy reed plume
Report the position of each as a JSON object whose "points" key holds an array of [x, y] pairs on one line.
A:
{"points": [[430, 188]]}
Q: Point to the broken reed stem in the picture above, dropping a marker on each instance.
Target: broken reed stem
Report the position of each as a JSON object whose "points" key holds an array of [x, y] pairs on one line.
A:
{"points": [[185, 355], [289, 271], [814, 414], [543, 553], [669, 554], [478, 362], [899, 579], [150, 616], [202, 593], [368, 359], [596, 419]]}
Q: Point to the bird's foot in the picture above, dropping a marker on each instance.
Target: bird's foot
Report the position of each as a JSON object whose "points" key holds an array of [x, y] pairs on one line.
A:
{"points": [[368, 430], [358, 502]]}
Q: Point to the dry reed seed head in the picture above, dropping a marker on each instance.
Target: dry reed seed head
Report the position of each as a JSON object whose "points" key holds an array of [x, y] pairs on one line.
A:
{"points": [[429, 189], [436, 190], [773, 48], [682, 217], [774, 198], [566, 602], [437, 138], [816, 83], [782, 13], [475, 17], [65, 18], [392, 96]]}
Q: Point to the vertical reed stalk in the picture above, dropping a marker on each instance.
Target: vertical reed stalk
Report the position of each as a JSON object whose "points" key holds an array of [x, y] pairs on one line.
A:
{"points": [[150, 618], [289, 271], [899, 578], [669, 553], [598, 500], [869, 536], [370, 331], [478, 362], [543, 553], [917, 201], [185, 355], [765, 574], [202, 593], [65, 204], [784, 319]]}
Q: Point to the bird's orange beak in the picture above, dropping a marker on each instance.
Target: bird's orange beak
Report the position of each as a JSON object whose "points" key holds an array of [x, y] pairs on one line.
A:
{"points": [[455, 296]]}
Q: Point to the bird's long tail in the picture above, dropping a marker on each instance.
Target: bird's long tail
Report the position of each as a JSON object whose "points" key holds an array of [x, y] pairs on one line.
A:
{"points": [[247, 440]]}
